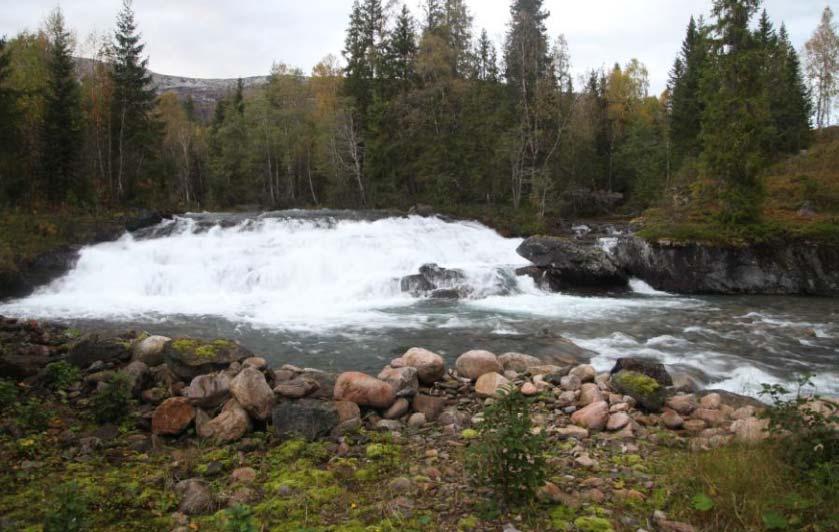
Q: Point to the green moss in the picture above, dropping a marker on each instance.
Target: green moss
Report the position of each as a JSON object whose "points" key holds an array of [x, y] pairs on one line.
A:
{"points": [[591, 523], [636, 382], [469, 522], [185, 345], [469, 434], [561, 517]]}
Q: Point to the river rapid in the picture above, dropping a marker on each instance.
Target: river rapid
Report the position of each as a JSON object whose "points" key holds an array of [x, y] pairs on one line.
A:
{"points": [[322, 289]]}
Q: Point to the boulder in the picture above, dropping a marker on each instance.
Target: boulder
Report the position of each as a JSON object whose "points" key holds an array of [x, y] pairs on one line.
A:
{"points": [[565, 264], [364, 390], [306, 418], [172, 416], [431, 406], [230, 425], [137, 373], [296, 388], [189, 357], [683, 404], [326, 383], [397, 409], [644, 366], [571, 431], [196, 497], [570, 383], [593, 417], [711, 401], [347, 411], [617, 421], [93, 348], [417, 419], [584, 372], [22, 363], [589, 393], [430, 366], [750, 430], [671, 419], [150, 350], [255, 362], [251, 390], [403, 380], [448, 284], [489, 384], [209, 391], [529, 389], [473, 364], [646, 391], [518, 362]]}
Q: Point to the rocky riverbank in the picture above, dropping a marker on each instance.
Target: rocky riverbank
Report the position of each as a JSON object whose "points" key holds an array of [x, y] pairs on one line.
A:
{"points": [[206, 426]]}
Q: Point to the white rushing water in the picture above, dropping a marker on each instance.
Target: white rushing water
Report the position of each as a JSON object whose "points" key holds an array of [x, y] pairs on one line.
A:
{"points": [[316, 281]]}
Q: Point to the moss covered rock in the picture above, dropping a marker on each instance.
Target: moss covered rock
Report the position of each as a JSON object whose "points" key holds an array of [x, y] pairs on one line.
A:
{"points": [[646, 391], [190, 357]]}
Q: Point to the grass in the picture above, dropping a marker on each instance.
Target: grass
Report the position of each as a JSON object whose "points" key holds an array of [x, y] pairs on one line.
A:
{"points": [[745, 488], [810, 178]]}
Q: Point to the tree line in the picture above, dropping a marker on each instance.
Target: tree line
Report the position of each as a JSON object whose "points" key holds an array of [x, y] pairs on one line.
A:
{"points": [[419, 109]]}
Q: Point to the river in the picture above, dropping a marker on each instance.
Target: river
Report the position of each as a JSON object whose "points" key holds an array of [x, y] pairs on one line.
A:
{"points": [[322, 289]]}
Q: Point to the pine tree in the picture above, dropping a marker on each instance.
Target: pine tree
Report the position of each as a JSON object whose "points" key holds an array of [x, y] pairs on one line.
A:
{"points": [[686, 104], [62, 126], [401, 50], [736, 119], [137, 132], [9, 190], [793, 109]]}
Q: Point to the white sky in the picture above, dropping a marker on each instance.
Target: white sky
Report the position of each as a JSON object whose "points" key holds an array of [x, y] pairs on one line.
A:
{"points": [[223, 38]]}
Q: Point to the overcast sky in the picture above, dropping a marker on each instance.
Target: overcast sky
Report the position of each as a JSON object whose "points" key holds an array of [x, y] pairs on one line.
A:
{"points": [[223, 38]]}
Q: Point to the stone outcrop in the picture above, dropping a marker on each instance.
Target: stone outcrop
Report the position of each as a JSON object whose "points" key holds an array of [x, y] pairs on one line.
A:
{"points": [[190, 357], [562, 264], [307, 418], [436, 282]]}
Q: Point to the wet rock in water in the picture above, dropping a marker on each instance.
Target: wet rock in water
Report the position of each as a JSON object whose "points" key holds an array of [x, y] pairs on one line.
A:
{"points": [[93, 348], [518, 362], [473, 364], [405, 381], [650, 368], [683, 404], [431, 406], [489, 384], [646, 391], [209, 391], [593, 417], [364, 390], [196, 497], [189, 357], [448, 284], [564, 264], [307, 418], [429, 365], [230, 425], [251, 390], [397, 409], [296, 388], [173, 416], [584, 372], [150, 350]]}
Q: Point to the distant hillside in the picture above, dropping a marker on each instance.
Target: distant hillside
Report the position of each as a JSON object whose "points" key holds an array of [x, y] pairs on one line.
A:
{"points": [[205, 92]]}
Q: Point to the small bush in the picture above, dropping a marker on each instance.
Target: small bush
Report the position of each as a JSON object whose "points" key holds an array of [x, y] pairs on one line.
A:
{"points": [[32, 415], [8, 394], [239, 518], [69, 510], [60, 375], [806, 426], [113, 402], [507, 456]]}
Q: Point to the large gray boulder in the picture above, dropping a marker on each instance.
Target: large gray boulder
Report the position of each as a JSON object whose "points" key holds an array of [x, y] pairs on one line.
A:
{"points": [[190, 357], [436, 282], [565, 264], [306, 418]]}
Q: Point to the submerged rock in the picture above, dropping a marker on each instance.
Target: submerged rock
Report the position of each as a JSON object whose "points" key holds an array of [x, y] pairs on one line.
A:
{"points": [[437, 282], [190, 357]]}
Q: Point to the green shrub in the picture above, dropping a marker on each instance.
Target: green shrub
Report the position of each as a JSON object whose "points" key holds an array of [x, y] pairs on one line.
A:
{"points": [[113, 402], [69, 511], [32, 415], [60, 375], [507, 456], [239, 518], [810, 440], [8, 394]]}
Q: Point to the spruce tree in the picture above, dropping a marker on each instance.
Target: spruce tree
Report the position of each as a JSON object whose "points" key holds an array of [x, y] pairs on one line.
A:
{"points": [[486, 58], [401, 50], [62, 126], [736, 119], [136, 130], [686, 104], [526, 51], [792, 111], [9, 189]]}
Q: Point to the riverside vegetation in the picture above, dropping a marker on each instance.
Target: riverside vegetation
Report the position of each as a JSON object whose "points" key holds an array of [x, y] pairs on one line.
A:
{"points": [[140, 432]]}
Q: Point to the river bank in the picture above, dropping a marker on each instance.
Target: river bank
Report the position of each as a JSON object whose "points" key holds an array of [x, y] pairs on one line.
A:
{"points": [[207, 427]]}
